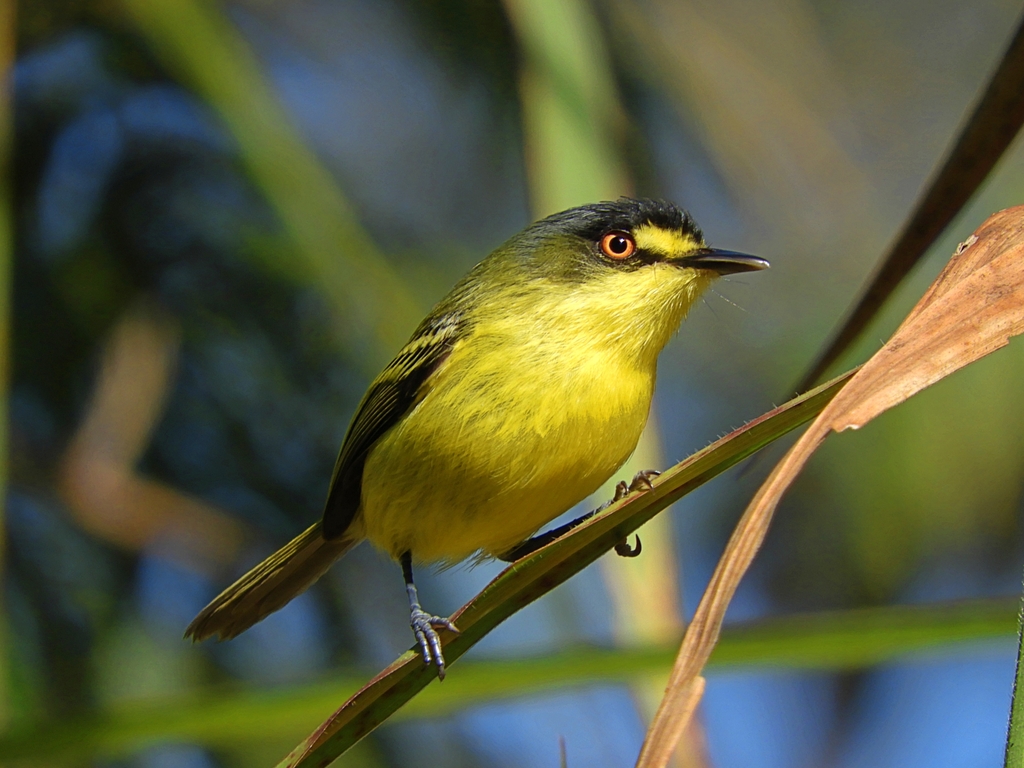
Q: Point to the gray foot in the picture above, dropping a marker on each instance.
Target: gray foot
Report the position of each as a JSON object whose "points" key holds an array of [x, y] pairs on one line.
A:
{"points": [[424, 627]]}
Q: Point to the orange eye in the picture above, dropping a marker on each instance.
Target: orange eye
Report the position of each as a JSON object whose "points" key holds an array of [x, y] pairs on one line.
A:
{"points": [[618, 246]]}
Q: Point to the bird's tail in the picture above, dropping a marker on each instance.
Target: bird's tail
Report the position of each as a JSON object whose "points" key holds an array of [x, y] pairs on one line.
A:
{"points": [[270, 585]]}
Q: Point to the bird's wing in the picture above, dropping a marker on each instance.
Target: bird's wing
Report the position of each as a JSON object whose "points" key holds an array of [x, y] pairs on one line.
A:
{"points": [[391, 395]]}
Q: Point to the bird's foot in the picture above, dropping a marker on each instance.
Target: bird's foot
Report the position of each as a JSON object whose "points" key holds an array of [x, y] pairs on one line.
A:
{"points": [[424, 627], [622, 549], [641, 482]]}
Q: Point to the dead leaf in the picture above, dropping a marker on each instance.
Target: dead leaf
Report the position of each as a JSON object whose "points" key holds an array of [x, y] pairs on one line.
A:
{"points": [[97, 479], [972, 309]]}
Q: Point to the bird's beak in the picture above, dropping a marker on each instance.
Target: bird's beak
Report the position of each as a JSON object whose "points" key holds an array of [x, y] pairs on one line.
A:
{"points": [[722, 262]]}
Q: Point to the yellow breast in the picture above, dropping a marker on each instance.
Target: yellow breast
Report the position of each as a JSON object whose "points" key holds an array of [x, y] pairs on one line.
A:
{"points": [[527, 417]]}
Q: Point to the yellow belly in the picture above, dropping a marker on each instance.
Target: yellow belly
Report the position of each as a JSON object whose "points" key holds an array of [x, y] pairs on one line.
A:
{"points": [[485, 459]]}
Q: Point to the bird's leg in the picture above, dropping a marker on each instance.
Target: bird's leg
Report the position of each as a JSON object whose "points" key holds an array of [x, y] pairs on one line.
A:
{"points": [[424, 625], [641, 482], [534, 543]]}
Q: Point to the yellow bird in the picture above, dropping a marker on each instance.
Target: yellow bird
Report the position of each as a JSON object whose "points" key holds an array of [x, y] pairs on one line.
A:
{"points": [[520, 393]]}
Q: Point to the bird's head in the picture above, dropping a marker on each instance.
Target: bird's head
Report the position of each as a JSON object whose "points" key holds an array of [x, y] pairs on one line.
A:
{"points": [[622, 236], [624, 269]]}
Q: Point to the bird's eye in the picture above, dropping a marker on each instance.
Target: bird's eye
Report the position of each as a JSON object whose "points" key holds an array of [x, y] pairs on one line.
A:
{"points": [[618, 246]]}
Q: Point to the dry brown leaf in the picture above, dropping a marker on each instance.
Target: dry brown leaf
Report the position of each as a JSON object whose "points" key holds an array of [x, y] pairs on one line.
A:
{"points": [[98, 479], [973, 308], [684, 704]]}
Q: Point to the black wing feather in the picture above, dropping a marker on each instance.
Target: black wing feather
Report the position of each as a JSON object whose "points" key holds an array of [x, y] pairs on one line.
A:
{"points": [[391, 395]]}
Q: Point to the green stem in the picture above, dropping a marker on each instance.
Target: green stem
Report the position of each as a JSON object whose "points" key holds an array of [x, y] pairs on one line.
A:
{"points": [[1015, 735], [7, 51]]}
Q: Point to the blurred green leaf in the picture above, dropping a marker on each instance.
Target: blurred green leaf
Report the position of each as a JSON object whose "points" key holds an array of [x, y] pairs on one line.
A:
{"points": [[7, 54], [828, 640], [1014, 757], [194, 39], [571, 115]]}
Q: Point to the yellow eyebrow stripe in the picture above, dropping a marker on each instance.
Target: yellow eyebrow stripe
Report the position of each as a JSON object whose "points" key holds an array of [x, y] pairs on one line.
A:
{"points": [[664, 242]]}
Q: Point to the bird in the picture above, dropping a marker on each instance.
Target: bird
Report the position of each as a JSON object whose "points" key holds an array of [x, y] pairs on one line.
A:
{"points": [[522, 391]]}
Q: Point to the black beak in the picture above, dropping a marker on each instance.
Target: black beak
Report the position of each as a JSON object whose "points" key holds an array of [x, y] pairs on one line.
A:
{"points": [[723, 262]]}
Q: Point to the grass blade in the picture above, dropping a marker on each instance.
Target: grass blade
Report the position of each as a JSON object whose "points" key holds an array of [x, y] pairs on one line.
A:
{"points": [[195, 40], [1015, 734], [7, 55], [222, 719]]}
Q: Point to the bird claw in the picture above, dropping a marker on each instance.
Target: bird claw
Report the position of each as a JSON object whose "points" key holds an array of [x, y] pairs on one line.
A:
{"points": [[642, 480], [424, 627], [622, 549]]}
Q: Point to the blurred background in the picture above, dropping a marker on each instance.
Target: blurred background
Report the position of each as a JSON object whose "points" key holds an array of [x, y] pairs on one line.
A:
{"points": [[225, 217]]}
